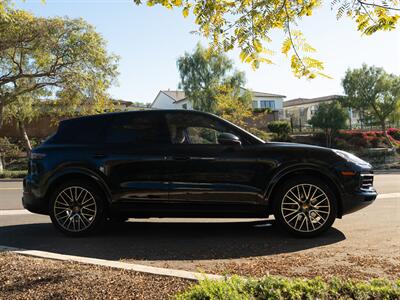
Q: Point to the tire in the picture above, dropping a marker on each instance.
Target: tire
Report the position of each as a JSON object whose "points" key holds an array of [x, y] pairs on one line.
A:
{"points": [[77, 208], [305, 207]]}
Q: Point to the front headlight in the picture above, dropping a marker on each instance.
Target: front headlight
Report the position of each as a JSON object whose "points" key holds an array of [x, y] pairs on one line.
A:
{"points": [[351, 157]]}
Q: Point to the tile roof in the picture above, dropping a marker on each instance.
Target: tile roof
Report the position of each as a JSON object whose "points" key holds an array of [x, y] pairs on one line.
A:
{"points": [[301, 101]]}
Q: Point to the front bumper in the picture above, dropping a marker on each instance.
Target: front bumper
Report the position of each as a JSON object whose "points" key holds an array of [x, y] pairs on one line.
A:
{"points": [[358, 200], [31, 201]]}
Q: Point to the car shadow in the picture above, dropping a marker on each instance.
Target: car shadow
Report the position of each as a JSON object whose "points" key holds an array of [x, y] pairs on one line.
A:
{"points": [[143, 240]]}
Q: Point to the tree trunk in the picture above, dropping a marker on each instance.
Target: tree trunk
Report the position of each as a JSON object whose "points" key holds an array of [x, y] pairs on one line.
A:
{"points": [[22, 128], [1, 112], [1, 163], [383, 126]]}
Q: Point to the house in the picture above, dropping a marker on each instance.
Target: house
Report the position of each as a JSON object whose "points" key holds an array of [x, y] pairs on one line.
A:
{"points": [[300, 110], [177, 100]]}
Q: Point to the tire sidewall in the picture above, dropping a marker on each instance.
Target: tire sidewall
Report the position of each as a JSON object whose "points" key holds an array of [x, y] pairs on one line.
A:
{"points": [[99, 219], [278, 198]]}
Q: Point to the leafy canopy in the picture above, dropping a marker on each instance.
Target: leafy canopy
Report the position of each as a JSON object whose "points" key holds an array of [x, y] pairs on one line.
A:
{"points": [[63, 59], [372, 90], [207, 75], [330, 117], [247, 24]]}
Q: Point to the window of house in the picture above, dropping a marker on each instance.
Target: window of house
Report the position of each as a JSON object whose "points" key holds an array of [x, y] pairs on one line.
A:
{"points": [[267, 104], [255, 104], [313, 109], [184, 106]]}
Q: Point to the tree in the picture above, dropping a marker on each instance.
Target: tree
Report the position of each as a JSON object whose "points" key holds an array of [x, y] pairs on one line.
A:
{"points": [[64, 58], [205, 74], [23, 110], [7, 150], [372, 90], [234, 107], [330, 117], [248, 24]]}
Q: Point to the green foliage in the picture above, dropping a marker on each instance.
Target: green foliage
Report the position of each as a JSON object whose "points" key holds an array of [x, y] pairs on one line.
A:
{"points": [[373, 91], [8, 149], [283, 288], [330, 117], [281, 129], [248, 25], [53, 58], [265, 136], [206, 75]]}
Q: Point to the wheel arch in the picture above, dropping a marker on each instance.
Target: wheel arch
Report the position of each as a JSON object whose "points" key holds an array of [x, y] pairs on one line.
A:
{"points": [[310, 171], [77, 173]]}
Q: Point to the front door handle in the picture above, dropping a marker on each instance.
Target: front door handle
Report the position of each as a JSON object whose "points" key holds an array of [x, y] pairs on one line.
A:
{"points": [[99, 155]]}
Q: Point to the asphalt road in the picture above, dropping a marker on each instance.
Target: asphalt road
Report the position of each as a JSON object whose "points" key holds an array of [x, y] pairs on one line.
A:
{"points": [[220, 245]]}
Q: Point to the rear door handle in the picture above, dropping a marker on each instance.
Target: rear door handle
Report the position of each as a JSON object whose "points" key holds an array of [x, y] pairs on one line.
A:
{"points": [[99, 155], [180, 157]]}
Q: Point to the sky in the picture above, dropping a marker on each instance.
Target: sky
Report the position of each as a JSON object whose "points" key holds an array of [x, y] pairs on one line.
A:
{"points": [[150, 39]]}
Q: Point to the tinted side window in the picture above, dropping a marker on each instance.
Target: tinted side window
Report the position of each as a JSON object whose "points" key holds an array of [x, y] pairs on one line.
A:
{"points": [[138, 129], [194, 128]]}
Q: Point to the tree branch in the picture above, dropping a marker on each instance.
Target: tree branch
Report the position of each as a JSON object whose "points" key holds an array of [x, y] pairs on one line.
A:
{"points": [[291, 38], [377, 5]]}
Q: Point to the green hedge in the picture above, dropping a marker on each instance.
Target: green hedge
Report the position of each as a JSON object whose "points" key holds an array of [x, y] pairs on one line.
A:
{"points": [[13, 174], [283, 288]]}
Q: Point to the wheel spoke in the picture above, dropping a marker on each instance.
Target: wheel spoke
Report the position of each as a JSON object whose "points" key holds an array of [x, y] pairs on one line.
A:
{"points": [[300, 213], [78, 212]]}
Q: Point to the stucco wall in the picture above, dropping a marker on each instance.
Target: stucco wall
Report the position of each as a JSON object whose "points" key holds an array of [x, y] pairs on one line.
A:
{"points": [[163, 101]]}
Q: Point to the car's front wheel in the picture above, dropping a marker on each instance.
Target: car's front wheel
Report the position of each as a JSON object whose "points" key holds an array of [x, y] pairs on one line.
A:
{"points": [[77, 208], [305, 206]]}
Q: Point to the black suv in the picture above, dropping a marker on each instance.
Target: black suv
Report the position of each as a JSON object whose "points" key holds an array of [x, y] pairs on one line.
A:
{"points": [[177, 163]]}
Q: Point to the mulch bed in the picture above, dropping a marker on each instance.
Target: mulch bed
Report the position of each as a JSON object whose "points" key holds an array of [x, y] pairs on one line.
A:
{"points": [[24, 277]]}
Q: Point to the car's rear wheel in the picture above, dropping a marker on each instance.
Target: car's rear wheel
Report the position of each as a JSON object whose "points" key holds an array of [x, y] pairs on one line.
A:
{"points": [[77, 208], [305, 206]]}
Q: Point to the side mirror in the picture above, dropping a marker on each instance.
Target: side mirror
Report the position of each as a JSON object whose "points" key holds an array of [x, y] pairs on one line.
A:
{"points": [[229, 139]]}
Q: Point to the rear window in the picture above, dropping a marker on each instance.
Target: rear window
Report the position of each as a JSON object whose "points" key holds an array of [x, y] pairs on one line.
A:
{"points": [[137, 129]]}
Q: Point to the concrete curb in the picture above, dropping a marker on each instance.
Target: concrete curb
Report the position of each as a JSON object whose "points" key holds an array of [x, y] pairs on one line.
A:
{"points": [[14, 212], [195, 276]]}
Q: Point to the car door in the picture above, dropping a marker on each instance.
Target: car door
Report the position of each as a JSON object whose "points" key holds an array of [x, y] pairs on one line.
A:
{"points": [[206, 176], [135, 158]]}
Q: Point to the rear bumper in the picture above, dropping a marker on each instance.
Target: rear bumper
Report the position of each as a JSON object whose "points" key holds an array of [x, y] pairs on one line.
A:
{"points": [[358, 200], [31, 201]]}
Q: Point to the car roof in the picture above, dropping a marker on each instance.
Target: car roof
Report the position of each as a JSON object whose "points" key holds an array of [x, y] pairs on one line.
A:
{"points": [[123, 113]]}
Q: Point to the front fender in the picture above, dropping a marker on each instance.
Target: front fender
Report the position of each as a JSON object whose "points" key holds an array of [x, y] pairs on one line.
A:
{"points": [[301, 168]]}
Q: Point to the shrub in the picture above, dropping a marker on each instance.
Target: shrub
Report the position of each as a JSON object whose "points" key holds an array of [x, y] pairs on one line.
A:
{"points": [[359, 140], [280, 128], [13, 174], [266, 136], [282, 288], [394, 133]]}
